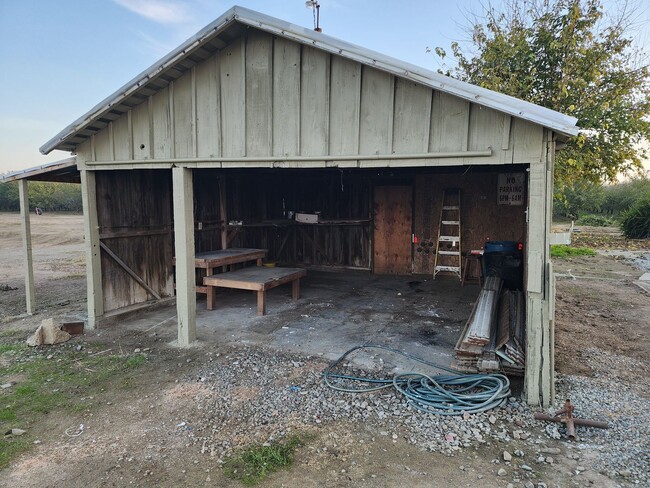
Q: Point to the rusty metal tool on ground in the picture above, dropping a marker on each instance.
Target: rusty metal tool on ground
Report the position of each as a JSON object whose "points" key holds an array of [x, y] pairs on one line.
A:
{"points": [[565, 416]]}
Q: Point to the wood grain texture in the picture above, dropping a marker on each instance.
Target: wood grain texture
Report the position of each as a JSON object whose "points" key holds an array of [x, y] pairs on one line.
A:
{"points": [[376, 118], [233, 99], [314, 102], [259, 93], [345, 94], [392, 236], [208, 108], [286, 98]]}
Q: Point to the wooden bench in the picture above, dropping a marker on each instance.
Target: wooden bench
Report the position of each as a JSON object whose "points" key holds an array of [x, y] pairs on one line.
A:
{"points": [[259, 279]]}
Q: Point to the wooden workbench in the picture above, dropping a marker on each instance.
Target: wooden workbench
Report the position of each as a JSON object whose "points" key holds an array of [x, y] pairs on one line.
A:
{"points": [[258, 279], [211, 260]]}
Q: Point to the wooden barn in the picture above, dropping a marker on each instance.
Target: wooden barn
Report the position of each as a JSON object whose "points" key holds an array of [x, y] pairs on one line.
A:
{"points": [[257, 133]]}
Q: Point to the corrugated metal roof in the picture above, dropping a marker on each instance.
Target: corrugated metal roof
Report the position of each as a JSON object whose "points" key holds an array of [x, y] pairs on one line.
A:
{"points": [[63, 171], [223, 30]]}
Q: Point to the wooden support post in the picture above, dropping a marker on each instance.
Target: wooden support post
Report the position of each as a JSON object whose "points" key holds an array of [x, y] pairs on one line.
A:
{"points": [[223, 213], [295, 289], [184, 243], [261, 302], [30, 298], [95, 293], [539, 386]]}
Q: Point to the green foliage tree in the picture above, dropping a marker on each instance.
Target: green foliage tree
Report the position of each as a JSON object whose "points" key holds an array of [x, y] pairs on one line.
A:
{"points": [[636, 221], [567, 56], [53, 197], [582, 197], [622, 196], [9, 197]]}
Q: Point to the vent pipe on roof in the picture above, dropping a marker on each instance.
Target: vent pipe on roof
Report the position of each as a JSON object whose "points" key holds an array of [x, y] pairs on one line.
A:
{"points": [[315, 7]]}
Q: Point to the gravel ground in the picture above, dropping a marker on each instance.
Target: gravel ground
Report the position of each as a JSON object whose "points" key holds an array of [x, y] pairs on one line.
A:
{"points": [[256, 396], [624, 448]]}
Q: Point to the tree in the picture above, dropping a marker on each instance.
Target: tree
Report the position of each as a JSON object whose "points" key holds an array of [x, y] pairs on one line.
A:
{"points": [[566, 56]]}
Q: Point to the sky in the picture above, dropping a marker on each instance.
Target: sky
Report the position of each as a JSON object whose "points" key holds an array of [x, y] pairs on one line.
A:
{"points": [[59, 58]]}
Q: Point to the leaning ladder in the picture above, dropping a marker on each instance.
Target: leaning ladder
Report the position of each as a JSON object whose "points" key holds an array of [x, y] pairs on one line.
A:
{"points": [[448, 248]]}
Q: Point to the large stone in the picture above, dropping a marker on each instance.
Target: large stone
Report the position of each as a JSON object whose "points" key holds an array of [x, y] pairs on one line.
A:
{"points": [[49, 332]]}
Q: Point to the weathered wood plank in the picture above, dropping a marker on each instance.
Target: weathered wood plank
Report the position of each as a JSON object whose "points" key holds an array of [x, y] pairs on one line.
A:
{"points": [[392, 235], [376, 118], [286, 97], [345, 95], [233, 100], [95, 294], [183, 117], [208, 108], [141, 132], [314, 102], [30, 297], [183, 199], [486, 128], [162, 129], [122, 145], [129, 271], [102, 142], [527, 143], [412, 117], [259, 94], [449, 123]]}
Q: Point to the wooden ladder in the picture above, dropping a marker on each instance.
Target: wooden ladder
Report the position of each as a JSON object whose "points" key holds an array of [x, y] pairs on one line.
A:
{"points": [[448, 247]]}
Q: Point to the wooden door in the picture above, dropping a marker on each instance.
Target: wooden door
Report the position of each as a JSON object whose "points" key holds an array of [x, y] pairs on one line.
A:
{"points": [[393, 227]]}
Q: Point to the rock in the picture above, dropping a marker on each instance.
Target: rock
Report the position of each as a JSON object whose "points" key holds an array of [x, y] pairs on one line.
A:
{"points": [[550, 450], [549, 460], [525, 467], [552, 431], [136, 350], [49, 332], [541, 485], [529, 484], [492, 419], [540, 459], [510, 485], [15, 432], [519, 453], [581, 469], [6, 385], [507, 456], [625, 473], [502, 472]]}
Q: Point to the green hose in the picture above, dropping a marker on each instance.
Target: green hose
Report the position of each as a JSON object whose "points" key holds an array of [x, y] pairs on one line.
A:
{"points": [[453, 394]]}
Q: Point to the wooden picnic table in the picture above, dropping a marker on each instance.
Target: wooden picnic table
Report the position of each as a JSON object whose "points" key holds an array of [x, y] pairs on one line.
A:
{"points": [[211, 260]]}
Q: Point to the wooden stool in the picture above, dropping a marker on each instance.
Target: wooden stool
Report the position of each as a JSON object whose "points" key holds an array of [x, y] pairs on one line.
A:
{"points": [[469, 260]]}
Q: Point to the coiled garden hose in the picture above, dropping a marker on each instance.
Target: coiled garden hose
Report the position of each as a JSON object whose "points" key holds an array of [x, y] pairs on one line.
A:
{"points": [[453, 394]]}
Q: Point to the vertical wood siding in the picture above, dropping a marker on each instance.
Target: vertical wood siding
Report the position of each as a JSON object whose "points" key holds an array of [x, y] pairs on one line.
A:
{"points": [[262, 95]]}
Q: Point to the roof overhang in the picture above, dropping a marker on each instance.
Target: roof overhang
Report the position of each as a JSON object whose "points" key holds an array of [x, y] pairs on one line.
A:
{"points": [[64, 171], [230, 25]]}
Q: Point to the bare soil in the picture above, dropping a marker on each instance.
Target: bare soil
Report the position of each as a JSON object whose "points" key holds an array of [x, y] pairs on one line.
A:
{"points": [[131, 435]]}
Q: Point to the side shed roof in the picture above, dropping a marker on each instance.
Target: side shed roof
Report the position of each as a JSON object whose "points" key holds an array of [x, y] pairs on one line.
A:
{"points": [[229, 26], [64, 171]]}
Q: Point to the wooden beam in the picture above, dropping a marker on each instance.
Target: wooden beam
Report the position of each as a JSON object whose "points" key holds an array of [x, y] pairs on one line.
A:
{"points": [[30, 298], [223, 214], [183, 199], [95, 301], [130, 272]]}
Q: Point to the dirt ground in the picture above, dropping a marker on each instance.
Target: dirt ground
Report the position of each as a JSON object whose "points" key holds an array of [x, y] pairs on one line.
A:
{"points": [[131, 435]]}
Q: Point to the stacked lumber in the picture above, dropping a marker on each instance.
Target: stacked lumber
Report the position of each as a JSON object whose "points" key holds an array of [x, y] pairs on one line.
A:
{"points": [[493, 338]]}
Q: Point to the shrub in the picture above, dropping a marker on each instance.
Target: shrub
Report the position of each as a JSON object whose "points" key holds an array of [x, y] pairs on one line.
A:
{"points": [[635, 223], [562, 251], [595, 220]]}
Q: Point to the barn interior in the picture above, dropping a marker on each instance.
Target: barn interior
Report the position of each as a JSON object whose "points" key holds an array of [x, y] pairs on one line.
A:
{"points": [[370, 253]]}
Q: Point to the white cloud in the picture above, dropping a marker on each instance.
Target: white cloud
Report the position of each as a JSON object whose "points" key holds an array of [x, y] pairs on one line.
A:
{"points": [[162, 11]]}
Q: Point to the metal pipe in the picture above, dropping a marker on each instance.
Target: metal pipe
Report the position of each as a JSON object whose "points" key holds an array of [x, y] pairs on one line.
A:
{"points": [[289, 159], [585, 422]]}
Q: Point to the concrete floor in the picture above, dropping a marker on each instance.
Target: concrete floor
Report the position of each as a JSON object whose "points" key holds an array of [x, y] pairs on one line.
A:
{"points": [[337, 311]]}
